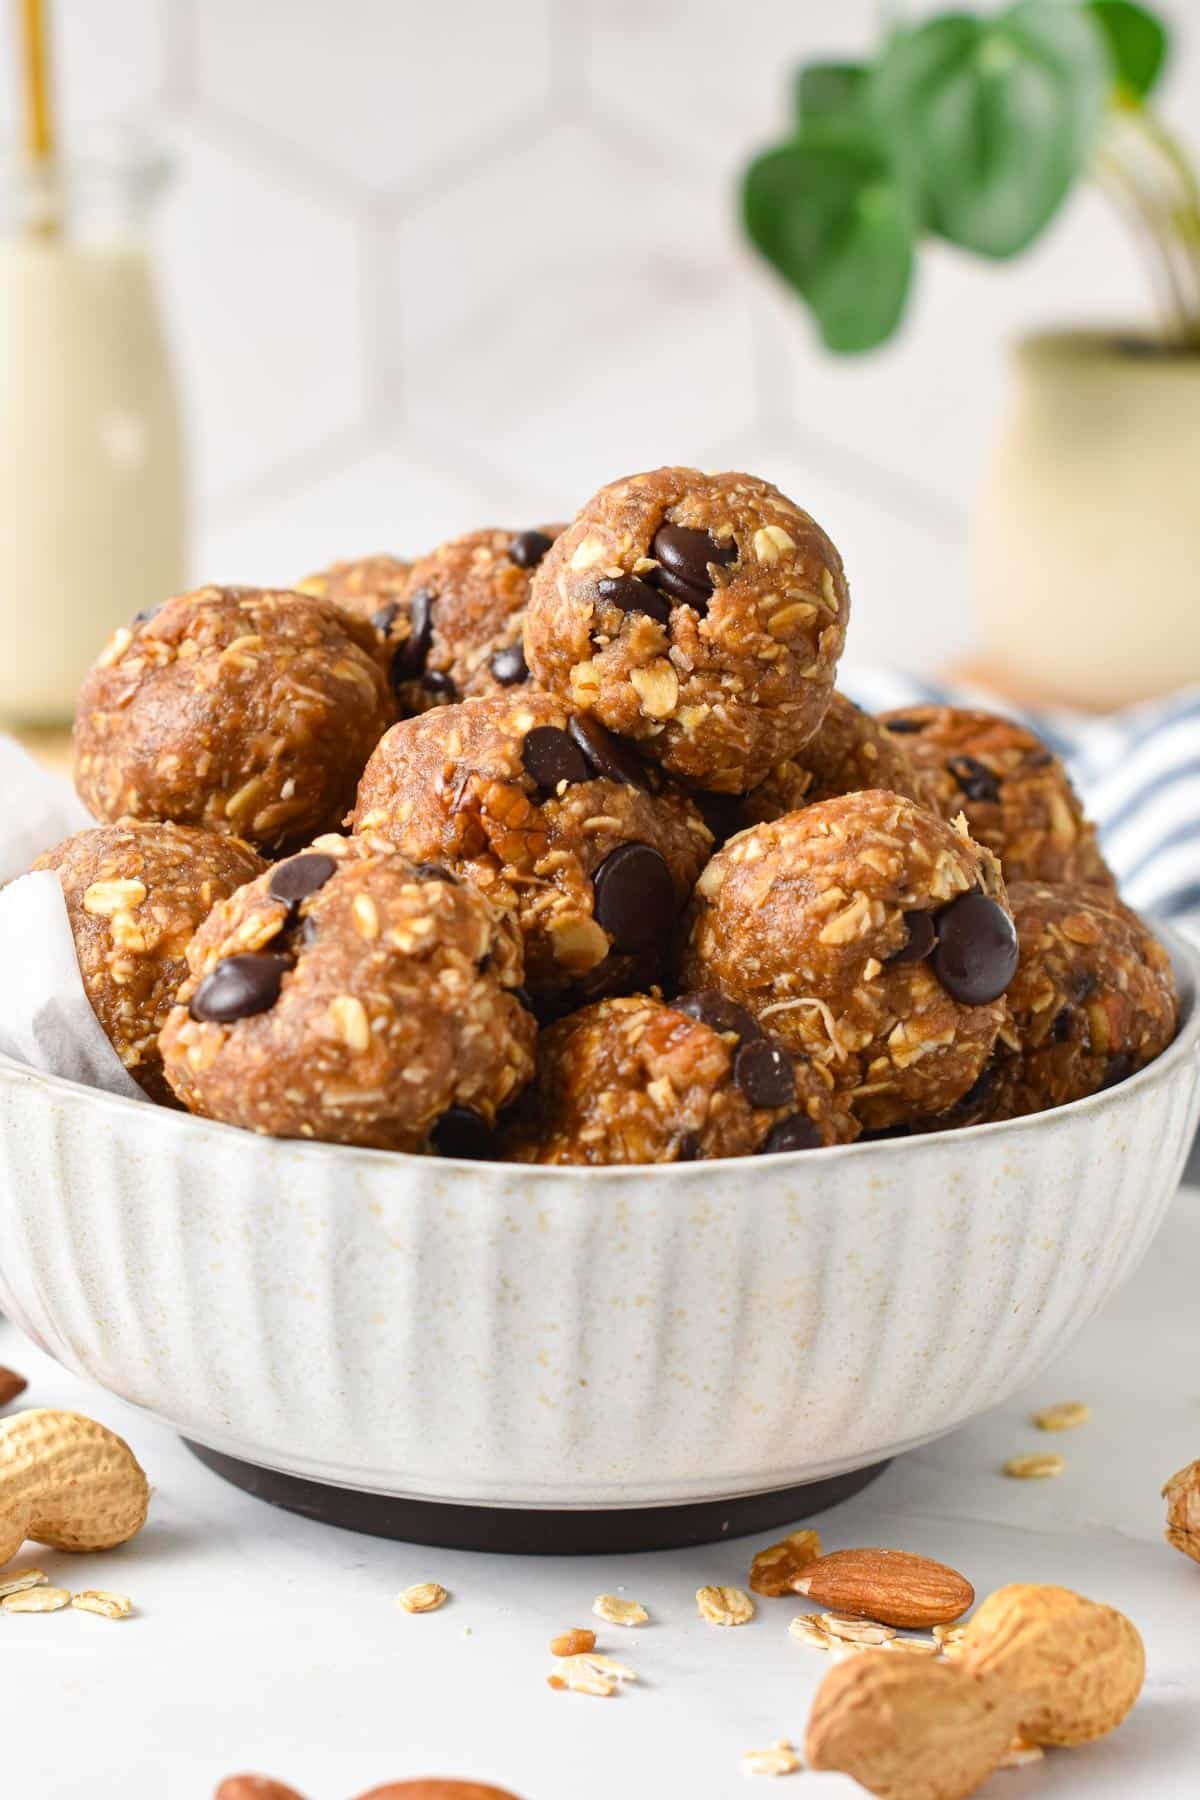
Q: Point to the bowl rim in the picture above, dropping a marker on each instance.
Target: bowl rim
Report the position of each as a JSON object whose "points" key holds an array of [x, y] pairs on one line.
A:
{"points": [[1185, 958]]}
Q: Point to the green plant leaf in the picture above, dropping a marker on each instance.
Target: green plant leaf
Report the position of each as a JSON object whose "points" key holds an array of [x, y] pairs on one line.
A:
{"points": [[994, 117], [1137, 42], [828, 93], [838, 226]]}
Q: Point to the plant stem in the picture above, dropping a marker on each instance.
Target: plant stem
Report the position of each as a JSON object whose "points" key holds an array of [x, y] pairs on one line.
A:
{"points": [[1150, 178]]}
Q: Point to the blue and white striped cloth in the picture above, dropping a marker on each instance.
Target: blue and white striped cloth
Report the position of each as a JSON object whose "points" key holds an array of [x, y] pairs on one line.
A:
{"points": [[1138, 772]]}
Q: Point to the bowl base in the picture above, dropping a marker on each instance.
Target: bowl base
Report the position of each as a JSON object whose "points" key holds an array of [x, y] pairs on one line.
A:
{"points": [[536, 1531]]}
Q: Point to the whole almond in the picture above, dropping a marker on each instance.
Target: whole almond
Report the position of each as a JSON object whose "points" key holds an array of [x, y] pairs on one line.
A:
{"points": [[11, 1384], [255, 1787], [892, 1586], [1077, 1666], [909, 1729]]}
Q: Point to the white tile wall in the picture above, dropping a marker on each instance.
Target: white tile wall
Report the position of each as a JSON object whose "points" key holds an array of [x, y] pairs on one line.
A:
{"points": [[437, 263]]}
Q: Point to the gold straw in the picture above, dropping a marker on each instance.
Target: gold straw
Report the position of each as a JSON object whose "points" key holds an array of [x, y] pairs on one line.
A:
{"points": [[39, 127]]}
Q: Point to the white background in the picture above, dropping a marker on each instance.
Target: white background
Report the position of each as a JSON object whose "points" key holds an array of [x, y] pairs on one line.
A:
{"points": [[433, 264]]}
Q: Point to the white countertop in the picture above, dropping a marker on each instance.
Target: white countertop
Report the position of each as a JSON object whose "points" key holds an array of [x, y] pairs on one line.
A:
{"points": [[266, 1643]]}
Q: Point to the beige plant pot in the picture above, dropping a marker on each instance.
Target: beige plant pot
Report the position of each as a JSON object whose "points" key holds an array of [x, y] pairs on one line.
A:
{"points": [[1086, 541]]}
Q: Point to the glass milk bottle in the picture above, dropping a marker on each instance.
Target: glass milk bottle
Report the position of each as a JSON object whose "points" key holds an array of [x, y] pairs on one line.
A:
{"points": [[91, 464]]}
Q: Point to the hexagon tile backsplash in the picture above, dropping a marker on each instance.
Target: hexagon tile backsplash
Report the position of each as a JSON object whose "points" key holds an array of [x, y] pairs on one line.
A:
{"points": [[431, 266]]}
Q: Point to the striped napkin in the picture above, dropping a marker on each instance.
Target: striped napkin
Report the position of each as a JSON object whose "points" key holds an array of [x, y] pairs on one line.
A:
{"points": [[1138, 772]]}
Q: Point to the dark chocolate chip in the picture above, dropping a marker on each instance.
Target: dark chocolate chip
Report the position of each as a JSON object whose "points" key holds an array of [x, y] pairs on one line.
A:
{"points": [[524, 998], [607, 756], [978, 1091], [147, 612], [463, 1132], [632, 595], [409, 659], [431, 871], [1060, 1031], [1120, 1068], [764, 1073], [385, 618], [921, 938], [720, 1013], [238, 987], [509, 665], [974, 778], [551, 757], [689, 1147], [796, 1133], [635, 897], [722, 813], [483, 963], [528, 548], [683, 556], [977, 953], [905, 727], [436, 681], [1038, 759], [294, 880], [1084, 985]]}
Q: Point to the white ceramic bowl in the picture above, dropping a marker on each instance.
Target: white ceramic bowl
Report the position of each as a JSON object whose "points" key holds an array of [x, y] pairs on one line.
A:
{"points": [[522, 1337]]}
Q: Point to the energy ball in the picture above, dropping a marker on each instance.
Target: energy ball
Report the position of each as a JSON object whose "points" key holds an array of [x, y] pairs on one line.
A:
{"points": [[869, 936], [1092, 1001], [245, 711], [360, 587], [136, 892], [702, 615], [639, 1081], [351, 996], [849, 752], [1014, 791], [554, 819]]}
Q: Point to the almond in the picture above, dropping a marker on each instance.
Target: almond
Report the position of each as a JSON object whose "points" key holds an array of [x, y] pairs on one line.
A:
{"points": [[11, 1384], [892, 1586], [255, 1787]]}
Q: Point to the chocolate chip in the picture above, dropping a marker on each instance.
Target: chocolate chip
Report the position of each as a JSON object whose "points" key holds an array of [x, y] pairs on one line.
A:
{"points": [[463, 1132], [409, 659], [607, 757], [764, 1073], [632, 595], [294, 880], [722, 813], [978, 1091], [238, 987], [483, 963], [977, 953], [509, 665], [524, 998], [683, 556], [528, 548], [147, 612], [1120, 1068], [1038, 759], [921, 938], [436, 681], [634, 897], [796, 1133], [551, 757], [431, 871], [1060, 1031], [974, 778], [385, 618], [689, 1147], [720, 1013], [1084, 985], [906, 727]]}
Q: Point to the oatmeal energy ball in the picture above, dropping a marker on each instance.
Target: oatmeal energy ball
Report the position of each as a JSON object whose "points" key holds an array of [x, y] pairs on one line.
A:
{"points": [[246, 711], [554, 819], [351, 996], [1015, 793], [451, 628], [135, 894], [1092, 1001], [361, 586], [849, 752], [638, 1081], [869, 936], [700, 614]]}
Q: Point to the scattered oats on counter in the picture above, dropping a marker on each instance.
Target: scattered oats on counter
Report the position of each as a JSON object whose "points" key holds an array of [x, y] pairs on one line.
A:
{"points": [[618, 1611], [1063, 1417], [773, 1569], [1038, 1467], [574, 1642], [777, 1759], [724, 1605], [104, 1604], [422, 1597], [15, 1581], [40, 1599], [591, 1673]]}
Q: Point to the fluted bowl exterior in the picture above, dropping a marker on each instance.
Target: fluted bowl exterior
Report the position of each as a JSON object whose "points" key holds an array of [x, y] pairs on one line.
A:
{"points": [[508, 1335]]}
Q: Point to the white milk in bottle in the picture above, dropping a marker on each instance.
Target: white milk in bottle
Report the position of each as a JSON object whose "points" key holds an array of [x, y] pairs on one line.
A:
{"points": [[91, 466]]}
